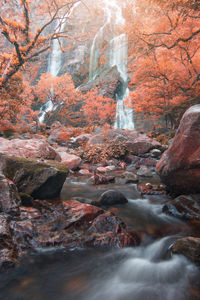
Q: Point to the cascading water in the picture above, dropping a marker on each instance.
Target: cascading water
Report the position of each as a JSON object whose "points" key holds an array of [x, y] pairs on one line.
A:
{"points": [[118, 53], [55, 59]]}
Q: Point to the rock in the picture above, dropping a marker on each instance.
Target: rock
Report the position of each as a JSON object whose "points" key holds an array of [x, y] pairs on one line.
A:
{"points": [[79, 140], [26, 200], [102, 179], [9, 197], [84, 172], [189, 247], [144, 172], [156, 153], [5, 234], [60, 136], [179, 167], [7, 259], [108, 83], [70, 160], [96, 140], [185, 207], [126, 177], [102, 170], [69, 224], [112, 197], [143, 144], [31, 148], [110, 168], [40, 180]]}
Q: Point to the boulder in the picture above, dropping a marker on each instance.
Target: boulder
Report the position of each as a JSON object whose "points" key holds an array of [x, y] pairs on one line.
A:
{"points": [[108, 83], [126, 177], [179, 167], [112, 197], [144, 171], [9, 197], [40, 180], [143, 144], [185, 207], [189, 247], [79, 140], [70, 160], [69, 224], [31, 148]]}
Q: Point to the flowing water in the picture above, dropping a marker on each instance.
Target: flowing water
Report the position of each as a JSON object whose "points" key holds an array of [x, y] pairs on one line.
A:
{"points": [[55, 58], [118, 54], [147, 272]]}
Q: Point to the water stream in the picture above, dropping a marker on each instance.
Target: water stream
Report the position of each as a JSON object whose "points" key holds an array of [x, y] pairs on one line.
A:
{"points": [[147, 272], [118, 54]]}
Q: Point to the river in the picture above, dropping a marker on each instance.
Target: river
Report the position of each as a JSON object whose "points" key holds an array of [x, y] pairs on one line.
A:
{"points": [[147, 272]]}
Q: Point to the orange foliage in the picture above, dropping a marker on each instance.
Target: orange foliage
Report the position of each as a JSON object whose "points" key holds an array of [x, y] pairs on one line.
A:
{"points": [[164, 57], [23, 41], [98, 109]]}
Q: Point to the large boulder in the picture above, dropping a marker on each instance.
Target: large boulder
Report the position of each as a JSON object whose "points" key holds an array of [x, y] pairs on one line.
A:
{"points": [[40, 180], [30, 148], [179, 167], [9, 197]]}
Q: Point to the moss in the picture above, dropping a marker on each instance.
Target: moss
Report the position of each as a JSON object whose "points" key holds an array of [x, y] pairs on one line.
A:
{"points": [[30, 166]]}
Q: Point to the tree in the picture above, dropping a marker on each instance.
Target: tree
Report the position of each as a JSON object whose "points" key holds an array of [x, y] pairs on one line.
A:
{"points": [[59, 93], [164, 57], [21, 39], [98, 109]]}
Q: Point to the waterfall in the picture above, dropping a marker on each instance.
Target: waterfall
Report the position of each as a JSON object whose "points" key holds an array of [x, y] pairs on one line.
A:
{"points": [[118, 53], [55, 60]]}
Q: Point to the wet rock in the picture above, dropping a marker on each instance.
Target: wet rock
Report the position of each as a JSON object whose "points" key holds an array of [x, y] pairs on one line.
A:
{"points": [[189, 247], [5, 234], [101, 170], [126, 177], [112, 197], [31, 148], [7, 259], [179, 167], [156, 153], [151, 189], [9, 197], [69, 224], [144, 172], [84, 172], [40, 180], [102, 179], [186, 207], [26, 200]]}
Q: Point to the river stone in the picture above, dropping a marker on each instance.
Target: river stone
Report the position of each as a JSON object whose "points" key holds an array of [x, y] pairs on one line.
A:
{"points": [[40, 180], [111, 197], [189, 247]]}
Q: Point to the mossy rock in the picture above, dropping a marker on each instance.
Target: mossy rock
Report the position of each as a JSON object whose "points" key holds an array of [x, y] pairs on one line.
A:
{"points": [[38, 179]]}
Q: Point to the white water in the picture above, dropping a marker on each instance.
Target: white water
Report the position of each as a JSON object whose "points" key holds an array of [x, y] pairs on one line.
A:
{"points": [[55, 60], [118, 53], [143, 274]]}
